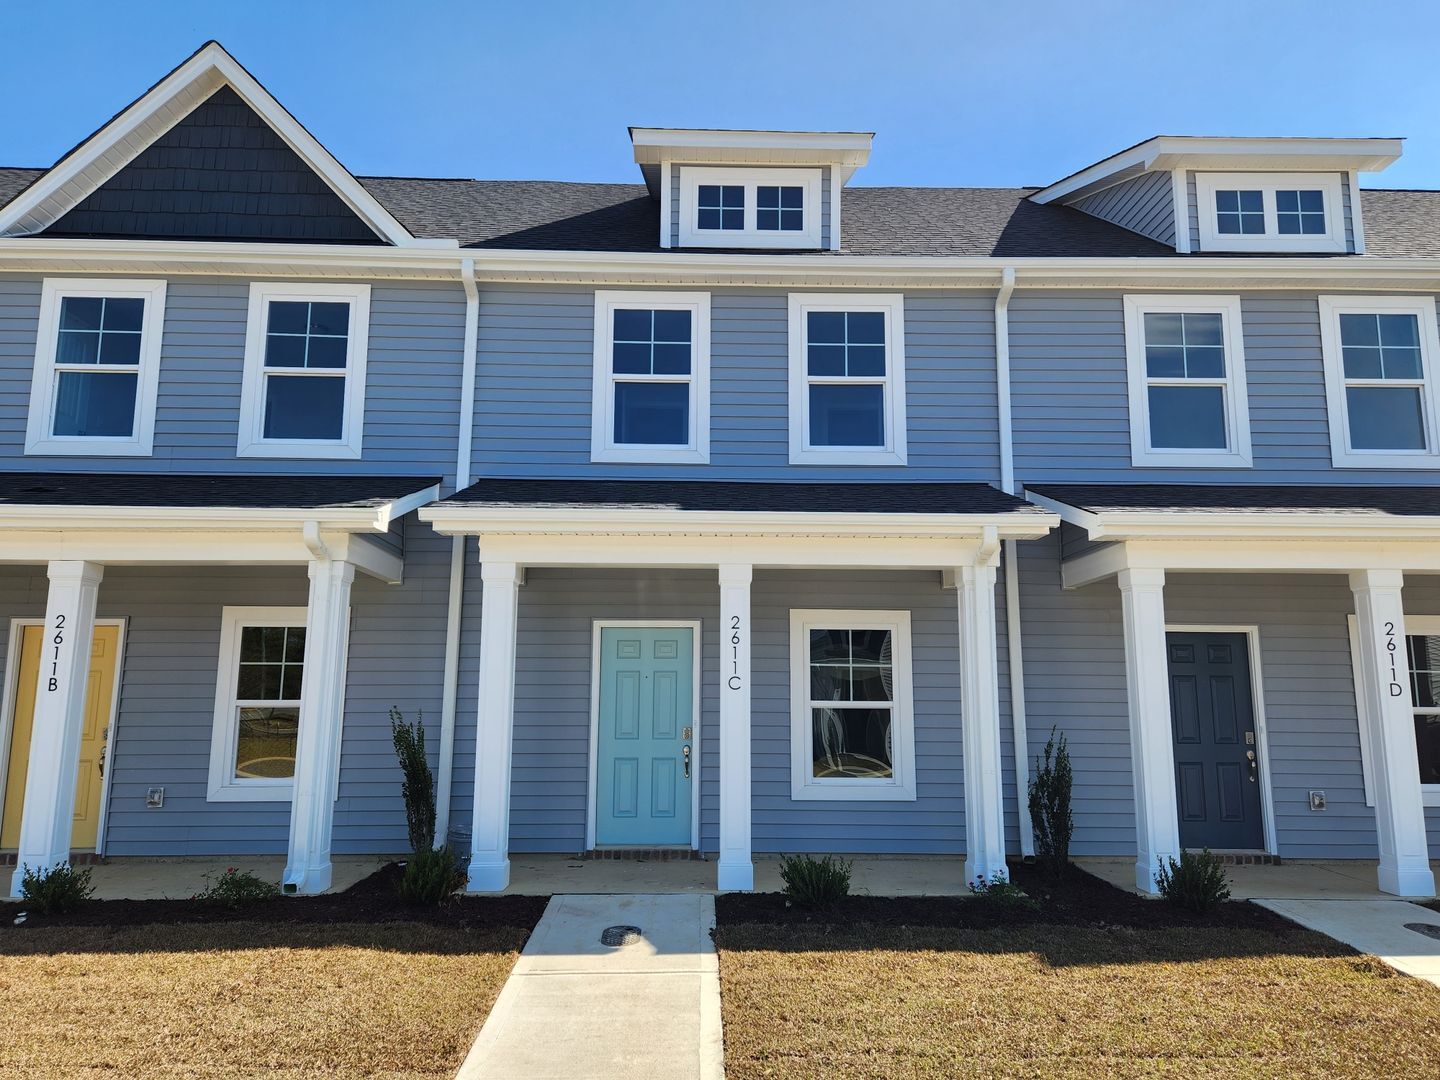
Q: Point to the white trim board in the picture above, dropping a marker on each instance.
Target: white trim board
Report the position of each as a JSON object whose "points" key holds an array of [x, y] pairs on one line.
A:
{"points": [[750, 178], [1268, 183], [1257, 700], [592, 757], [7, 713]]}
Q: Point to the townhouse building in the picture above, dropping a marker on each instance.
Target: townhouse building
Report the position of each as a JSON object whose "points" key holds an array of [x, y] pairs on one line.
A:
{"points": [[744, 509]]}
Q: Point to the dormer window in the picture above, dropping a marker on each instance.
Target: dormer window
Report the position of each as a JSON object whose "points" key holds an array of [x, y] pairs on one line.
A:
{"points": [[1270, 212], [744, 207]]}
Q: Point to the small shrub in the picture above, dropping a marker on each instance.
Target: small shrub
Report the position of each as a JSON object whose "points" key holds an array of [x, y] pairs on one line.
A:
{"points": [[815, 883], [417, 787], [1002, 892], [237, 889], [60, 889], [431, 876], [1197, 881], [1050, 814]]}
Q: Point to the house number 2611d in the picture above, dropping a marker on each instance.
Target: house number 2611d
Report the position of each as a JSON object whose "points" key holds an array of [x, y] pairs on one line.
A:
{"points": [[53, 683], [1391, 651], [734, 682]]}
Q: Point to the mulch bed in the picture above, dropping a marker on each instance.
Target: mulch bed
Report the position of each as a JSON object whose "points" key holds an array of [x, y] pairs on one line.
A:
{"points": [[371, 900], [1078, 899]]}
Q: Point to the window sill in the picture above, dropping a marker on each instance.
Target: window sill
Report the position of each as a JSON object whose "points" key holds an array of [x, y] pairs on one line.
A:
{"points": [[1180, 459], [846, 456], [320, 451], [1380, 459], [266, 793], [1430, 794], [856, 792], [649, 456], [53, 447], [1320, 245]]}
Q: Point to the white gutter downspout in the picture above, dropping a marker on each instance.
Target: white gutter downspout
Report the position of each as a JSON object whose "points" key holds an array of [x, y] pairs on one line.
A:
{"points": [[455, 604], [1012, 569]]}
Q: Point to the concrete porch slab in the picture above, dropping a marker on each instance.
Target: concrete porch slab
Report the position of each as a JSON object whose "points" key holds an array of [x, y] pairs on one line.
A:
{"points": [[551, 875], [1376, 927], [1338, 879], [143, 878]]}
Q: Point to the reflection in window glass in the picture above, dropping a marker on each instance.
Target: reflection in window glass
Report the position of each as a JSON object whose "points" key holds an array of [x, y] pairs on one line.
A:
{"points": [[1185, 370], [306, 351], [851, 703], [1424, 655], [267, 701], [1300, 213], [846, 368], [1239, 213], [97, 356], [651, 363], [1384, 380]]}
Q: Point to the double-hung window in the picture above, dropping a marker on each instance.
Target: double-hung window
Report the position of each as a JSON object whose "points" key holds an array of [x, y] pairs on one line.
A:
{"points": [[305, 352], [1380, 386], [1270, 211], [97, 367], [847, 379], [1422, 654], [852, 708], [749, 207], [257, 704], [651, 377], [1186, 362]]}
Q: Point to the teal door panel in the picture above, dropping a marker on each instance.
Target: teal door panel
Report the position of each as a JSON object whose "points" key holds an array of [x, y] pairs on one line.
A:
{"points": [[643, 780]]}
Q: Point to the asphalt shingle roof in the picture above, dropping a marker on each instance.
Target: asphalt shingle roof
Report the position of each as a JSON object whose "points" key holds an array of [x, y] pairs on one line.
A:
{"points": [[547, 215], [1296, 499], [742, 496], [187, 492]]}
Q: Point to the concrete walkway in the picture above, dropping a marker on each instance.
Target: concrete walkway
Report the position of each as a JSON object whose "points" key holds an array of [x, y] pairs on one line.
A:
{"points": [[1377, 927], [576, 1009]]}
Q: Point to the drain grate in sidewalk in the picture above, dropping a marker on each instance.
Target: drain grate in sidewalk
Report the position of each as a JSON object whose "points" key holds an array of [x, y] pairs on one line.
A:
{"points": [[616, 936]]}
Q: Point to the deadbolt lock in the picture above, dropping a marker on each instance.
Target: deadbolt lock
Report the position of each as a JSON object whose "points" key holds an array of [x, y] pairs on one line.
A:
{"points": [[1249, 738], [687, 734]]}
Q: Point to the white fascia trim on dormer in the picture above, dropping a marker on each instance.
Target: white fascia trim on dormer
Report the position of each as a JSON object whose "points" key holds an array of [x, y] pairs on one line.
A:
{"points": [[155, 112], [1180, 199], [1332, 241], [1166, 152]]}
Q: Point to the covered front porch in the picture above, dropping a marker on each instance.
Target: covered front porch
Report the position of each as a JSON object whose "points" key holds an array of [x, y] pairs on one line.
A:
{"points": [[140, 566], [735, 571], [1276, 654]]}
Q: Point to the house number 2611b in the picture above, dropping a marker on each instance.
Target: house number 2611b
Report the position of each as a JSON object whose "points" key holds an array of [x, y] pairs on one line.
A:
{"points": [[1391, 651], [733, 682], [53, 683]]}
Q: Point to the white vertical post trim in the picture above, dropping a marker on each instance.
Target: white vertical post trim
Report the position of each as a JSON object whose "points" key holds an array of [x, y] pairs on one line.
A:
{"points": [[1180, 196], [736, 870], [1152, 749], [980, 723], [490, 825], [48, 814], [836, 183], [1394, 759], [1357, 219], [665, 205], [322, 714]]}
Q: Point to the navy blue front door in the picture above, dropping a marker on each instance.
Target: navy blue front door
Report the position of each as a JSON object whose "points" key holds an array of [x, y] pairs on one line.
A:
{"points": [[1217, 774]]}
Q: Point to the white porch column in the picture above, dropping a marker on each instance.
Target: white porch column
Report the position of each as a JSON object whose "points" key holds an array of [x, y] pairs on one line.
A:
{"points": [[490, 825], [1385, 675], [1152, 747], [48, 813], [736, 871], [980, 724], [322, 713]]}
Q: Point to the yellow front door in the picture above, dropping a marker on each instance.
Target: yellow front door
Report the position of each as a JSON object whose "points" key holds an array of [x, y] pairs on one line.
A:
{"points": [[99, 693]]}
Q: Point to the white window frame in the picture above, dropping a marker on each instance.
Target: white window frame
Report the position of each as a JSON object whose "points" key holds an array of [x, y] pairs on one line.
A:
{"points": [[1268, 183], [252, 394], [1237, 404], [224, 785], [1342, 456], [40, 425], [895, 451], [804, 786], [1414, 624], [750, 178], [603, 446]]}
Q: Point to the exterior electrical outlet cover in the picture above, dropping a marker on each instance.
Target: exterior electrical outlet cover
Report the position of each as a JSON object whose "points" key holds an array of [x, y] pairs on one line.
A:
{"points": [[1317, 800], [154, 798]]}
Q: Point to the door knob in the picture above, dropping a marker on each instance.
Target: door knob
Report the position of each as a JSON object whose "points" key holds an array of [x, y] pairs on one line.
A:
{"points": [[686, 753], [1254, 766]]}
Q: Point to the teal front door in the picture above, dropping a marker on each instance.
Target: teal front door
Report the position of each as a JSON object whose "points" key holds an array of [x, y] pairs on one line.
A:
{"points": [[644, 746]]}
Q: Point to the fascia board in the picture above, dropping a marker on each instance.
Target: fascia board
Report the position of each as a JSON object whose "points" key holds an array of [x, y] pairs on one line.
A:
{"points": [[1258, 526]]}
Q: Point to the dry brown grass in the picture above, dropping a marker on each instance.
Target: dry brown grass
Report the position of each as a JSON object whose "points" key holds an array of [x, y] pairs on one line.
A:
{"points": [[248, 999], [865, 1001]]}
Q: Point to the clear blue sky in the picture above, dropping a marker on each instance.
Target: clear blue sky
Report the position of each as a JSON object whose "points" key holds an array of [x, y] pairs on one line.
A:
{"points": [[963, 92]]}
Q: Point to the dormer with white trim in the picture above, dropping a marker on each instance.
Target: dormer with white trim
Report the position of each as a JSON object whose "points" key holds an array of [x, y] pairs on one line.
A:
{"points": [[1258, 195], [771, 190]]}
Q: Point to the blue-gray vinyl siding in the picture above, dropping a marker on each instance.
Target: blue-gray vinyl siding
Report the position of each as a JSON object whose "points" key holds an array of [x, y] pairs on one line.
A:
{"points": [[167, 697], [1070, 395], [412, 382], [1075, 680], [535, 377], [674, 224], [1347, 198], [1144, 204]]}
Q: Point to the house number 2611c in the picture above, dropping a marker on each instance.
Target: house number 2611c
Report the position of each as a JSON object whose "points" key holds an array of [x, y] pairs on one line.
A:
{"points": [[1391, 651], [733, 682], [53, 683]]}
